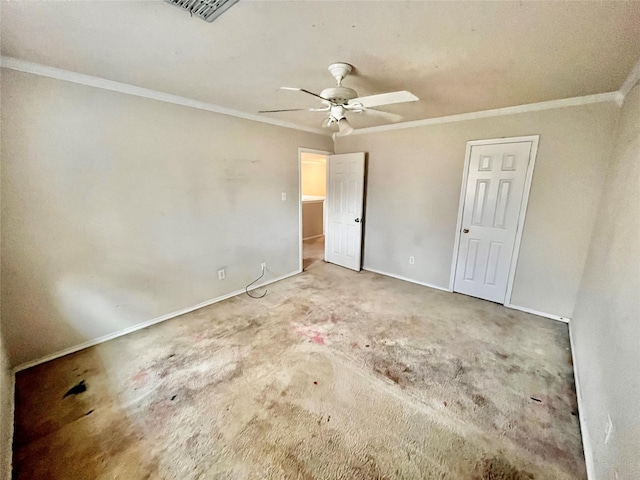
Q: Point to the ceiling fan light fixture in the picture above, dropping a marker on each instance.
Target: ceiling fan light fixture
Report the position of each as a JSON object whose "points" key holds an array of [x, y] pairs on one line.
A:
{"points": [[344, 127]]}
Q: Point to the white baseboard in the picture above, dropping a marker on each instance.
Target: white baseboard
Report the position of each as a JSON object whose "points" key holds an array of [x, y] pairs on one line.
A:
{"points": [[540, 314], [315, 236], [444, 289], [140, 326], [400, 277], [586, 440]]}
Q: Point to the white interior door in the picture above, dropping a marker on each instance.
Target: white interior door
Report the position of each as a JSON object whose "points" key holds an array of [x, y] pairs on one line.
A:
{"points": [[492, 200], [345, 190]]}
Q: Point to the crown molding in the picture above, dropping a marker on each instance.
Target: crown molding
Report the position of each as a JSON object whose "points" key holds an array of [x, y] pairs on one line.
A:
{"points": [[629, 83], [497, 112], [97, 82]]}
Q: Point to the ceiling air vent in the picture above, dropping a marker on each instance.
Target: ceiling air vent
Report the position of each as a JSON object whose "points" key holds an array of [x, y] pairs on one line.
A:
{"points": [[208, 10]]}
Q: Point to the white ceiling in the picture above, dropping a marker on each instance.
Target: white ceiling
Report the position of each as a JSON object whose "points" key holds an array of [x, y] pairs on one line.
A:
{"points": [[457, 57]]}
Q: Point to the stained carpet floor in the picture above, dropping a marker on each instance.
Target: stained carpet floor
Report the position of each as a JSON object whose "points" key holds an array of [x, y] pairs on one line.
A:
{"points": [[333, 375]]}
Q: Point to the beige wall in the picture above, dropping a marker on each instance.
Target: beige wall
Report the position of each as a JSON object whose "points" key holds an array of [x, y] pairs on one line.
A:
{"points": [[414, 181], [606, 323], [118, 209], [6, 403], [312, 218], [6, 412], [314, 178]]}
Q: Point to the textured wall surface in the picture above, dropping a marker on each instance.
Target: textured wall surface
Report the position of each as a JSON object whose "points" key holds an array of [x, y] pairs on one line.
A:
{"points": [[606, 324], [118, 209], [414, 181], [312, 219], [6, 412]]}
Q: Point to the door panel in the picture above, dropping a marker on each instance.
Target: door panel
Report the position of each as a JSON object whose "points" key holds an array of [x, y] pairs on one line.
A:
{"points": [[345, 176], [493, 195]]}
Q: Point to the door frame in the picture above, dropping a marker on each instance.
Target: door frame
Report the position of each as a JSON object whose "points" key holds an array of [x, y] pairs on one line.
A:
{"points": [[302, 150], [534, 139]]}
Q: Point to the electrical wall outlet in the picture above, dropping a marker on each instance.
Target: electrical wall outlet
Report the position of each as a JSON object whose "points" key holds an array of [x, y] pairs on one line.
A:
{"points": [[412, 260], [608, 430], [263, 266], [221, 274], [284, 196]]}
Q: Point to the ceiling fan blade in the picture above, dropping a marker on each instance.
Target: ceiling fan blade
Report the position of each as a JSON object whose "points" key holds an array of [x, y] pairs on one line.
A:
{"points": [[385, 99], [284, 110], [296, 89], [392, 117], [326, 109]]}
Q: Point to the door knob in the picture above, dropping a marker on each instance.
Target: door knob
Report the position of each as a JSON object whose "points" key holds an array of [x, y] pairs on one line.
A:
{"points": [[466, 230], [357, 220]]}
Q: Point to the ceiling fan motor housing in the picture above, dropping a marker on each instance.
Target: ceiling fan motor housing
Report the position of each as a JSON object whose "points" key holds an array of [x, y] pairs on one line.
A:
{"points": [[339, 94]]}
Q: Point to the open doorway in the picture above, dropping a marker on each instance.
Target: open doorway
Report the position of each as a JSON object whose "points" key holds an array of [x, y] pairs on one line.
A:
{"points": [[313, 190]]}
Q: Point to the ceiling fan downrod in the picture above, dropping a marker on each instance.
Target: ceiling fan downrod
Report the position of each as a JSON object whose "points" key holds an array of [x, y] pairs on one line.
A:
{"points": [[339, 95], [340, 70]]}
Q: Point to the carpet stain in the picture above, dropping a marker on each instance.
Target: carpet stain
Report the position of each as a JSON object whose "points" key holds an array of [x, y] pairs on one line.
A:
{"points": [[140, 376], [497, 468], [479, 400], [398, 373], [312, 334], [316, 380], [76, 389]]}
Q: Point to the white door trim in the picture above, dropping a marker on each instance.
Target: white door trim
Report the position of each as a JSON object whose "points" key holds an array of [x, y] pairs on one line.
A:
{"points": [[302, 150], [534, 139]]}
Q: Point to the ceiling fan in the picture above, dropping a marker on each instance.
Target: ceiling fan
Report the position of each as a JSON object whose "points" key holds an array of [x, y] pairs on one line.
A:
{"points": [[338, 101]]}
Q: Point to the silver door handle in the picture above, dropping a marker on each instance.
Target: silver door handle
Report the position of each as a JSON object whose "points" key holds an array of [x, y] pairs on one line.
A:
{"points": [[357, 220]]}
